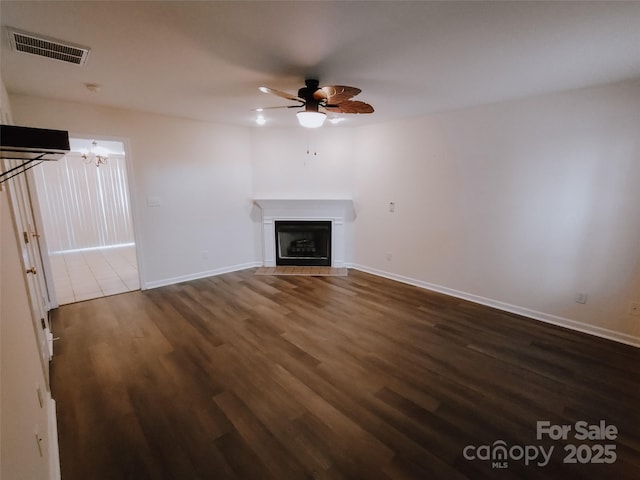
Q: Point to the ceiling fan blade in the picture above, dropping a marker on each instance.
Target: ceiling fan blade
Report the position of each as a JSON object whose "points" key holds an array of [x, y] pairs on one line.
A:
{"points": [[272, 108], [350, 106], [335, 94], [279, 93], [320, 94]]}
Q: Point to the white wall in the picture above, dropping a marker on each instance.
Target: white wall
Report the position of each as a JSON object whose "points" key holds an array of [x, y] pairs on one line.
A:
{"points": [[305, 164], [20, 369], [282, 168], [199, 172], [522, 205]]}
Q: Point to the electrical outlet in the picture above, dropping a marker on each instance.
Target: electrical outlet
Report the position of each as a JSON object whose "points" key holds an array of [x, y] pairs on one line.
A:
{"points": [[634, 308], [581, 297], [205, 254], [389, 257]]}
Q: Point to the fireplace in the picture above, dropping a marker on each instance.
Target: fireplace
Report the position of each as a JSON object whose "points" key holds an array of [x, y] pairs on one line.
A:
{"points": [[338, 213], [303, 243]]}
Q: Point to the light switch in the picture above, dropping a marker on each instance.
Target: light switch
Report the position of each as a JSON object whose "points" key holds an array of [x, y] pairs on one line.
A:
{"points": [[153, 201]]}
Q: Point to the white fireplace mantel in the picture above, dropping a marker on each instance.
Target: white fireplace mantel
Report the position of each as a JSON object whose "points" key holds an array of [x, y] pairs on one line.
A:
{"points": [[338, 211]]}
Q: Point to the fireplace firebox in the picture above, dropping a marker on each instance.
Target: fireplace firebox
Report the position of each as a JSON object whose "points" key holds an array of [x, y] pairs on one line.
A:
{"points": [[303, 243]]}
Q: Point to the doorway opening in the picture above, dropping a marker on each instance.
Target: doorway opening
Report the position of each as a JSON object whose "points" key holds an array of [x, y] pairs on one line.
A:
{"points": [[86, 215]]}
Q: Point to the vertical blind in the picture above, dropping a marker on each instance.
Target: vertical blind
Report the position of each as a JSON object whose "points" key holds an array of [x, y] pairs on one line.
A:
{"points": [[84, 206]]}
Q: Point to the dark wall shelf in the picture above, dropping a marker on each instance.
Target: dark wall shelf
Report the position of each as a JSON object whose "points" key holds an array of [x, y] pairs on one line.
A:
{"points": [[26, 147]]}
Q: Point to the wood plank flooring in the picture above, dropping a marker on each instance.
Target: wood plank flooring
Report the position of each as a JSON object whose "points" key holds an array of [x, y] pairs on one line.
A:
{"points": [[288, 377]]}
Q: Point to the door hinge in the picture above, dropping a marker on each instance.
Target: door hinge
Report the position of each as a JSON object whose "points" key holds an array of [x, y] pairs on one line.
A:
{"points": [[25, 235], [44, 325]]}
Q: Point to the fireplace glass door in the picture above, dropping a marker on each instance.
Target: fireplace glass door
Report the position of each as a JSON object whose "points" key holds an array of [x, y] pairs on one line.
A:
{"points": [[303, 243]]}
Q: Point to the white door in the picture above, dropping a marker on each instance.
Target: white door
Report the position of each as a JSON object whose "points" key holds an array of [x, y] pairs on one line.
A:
{"points": [[32, 266], [40, 245]]}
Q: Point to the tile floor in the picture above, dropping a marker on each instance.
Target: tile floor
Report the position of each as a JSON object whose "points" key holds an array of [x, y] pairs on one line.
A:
{"points": [[87, 274]]}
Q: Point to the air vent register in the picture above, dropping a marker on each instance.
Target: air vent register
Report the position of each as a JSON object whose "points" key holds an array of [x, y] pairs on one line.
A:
{"points": [[48, 47]]}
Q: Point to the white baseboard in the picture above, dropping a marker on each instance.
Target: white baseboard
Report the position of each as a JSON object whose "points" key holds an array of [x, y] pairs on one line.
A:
{"points": [[525, 312], [198, 275]]}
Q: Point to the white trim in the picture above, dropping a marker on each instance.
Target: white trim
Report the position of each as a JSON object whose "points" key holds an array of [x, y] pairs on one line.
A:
{"points": [[54, 448], [198, 275], [525, 312]]}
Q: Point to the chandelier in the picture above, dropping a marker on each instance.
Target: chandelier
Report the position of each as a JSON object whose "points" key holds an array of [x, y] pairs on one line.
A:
{"points": [[96, 155]]}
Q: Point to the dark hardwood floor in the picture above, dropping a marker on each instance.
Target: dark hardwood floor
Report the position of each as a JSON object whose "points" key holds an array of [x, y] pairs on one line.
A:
{"points": [[257, 377]]}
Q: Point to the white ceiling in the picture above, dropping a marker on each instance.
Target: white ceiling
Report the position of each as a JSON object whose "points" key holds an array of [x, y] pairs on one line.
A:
{"points": [[205, 60]]}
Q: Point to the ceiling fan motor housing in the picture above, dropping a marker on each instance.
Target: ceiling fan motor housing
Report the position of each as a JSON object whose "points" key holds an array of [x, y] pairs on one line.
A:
{"points": [[306, 93]]}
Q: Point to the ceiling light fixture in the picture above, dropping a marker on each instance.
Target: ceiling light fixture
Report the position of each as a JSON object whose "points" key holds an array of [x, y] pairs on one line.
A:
{"points": [[260, 120], [311, 119], [95, 154]]}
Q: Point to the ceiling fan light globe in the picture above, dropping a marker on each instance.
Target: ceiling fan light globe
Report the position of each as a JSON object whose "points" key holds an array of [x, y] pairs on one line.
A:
{"points": [[311, 119]]}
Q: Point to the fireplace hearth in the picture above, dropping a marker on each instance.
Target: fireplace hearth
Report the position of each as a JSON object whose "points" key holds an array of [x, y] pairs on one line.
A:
{"points": [[304, 243]]}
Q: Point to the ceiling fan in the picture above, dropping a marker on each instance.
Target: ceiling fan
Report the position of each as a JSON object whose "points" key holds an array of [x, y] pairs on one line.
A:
{"points": [[317, 100]]}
